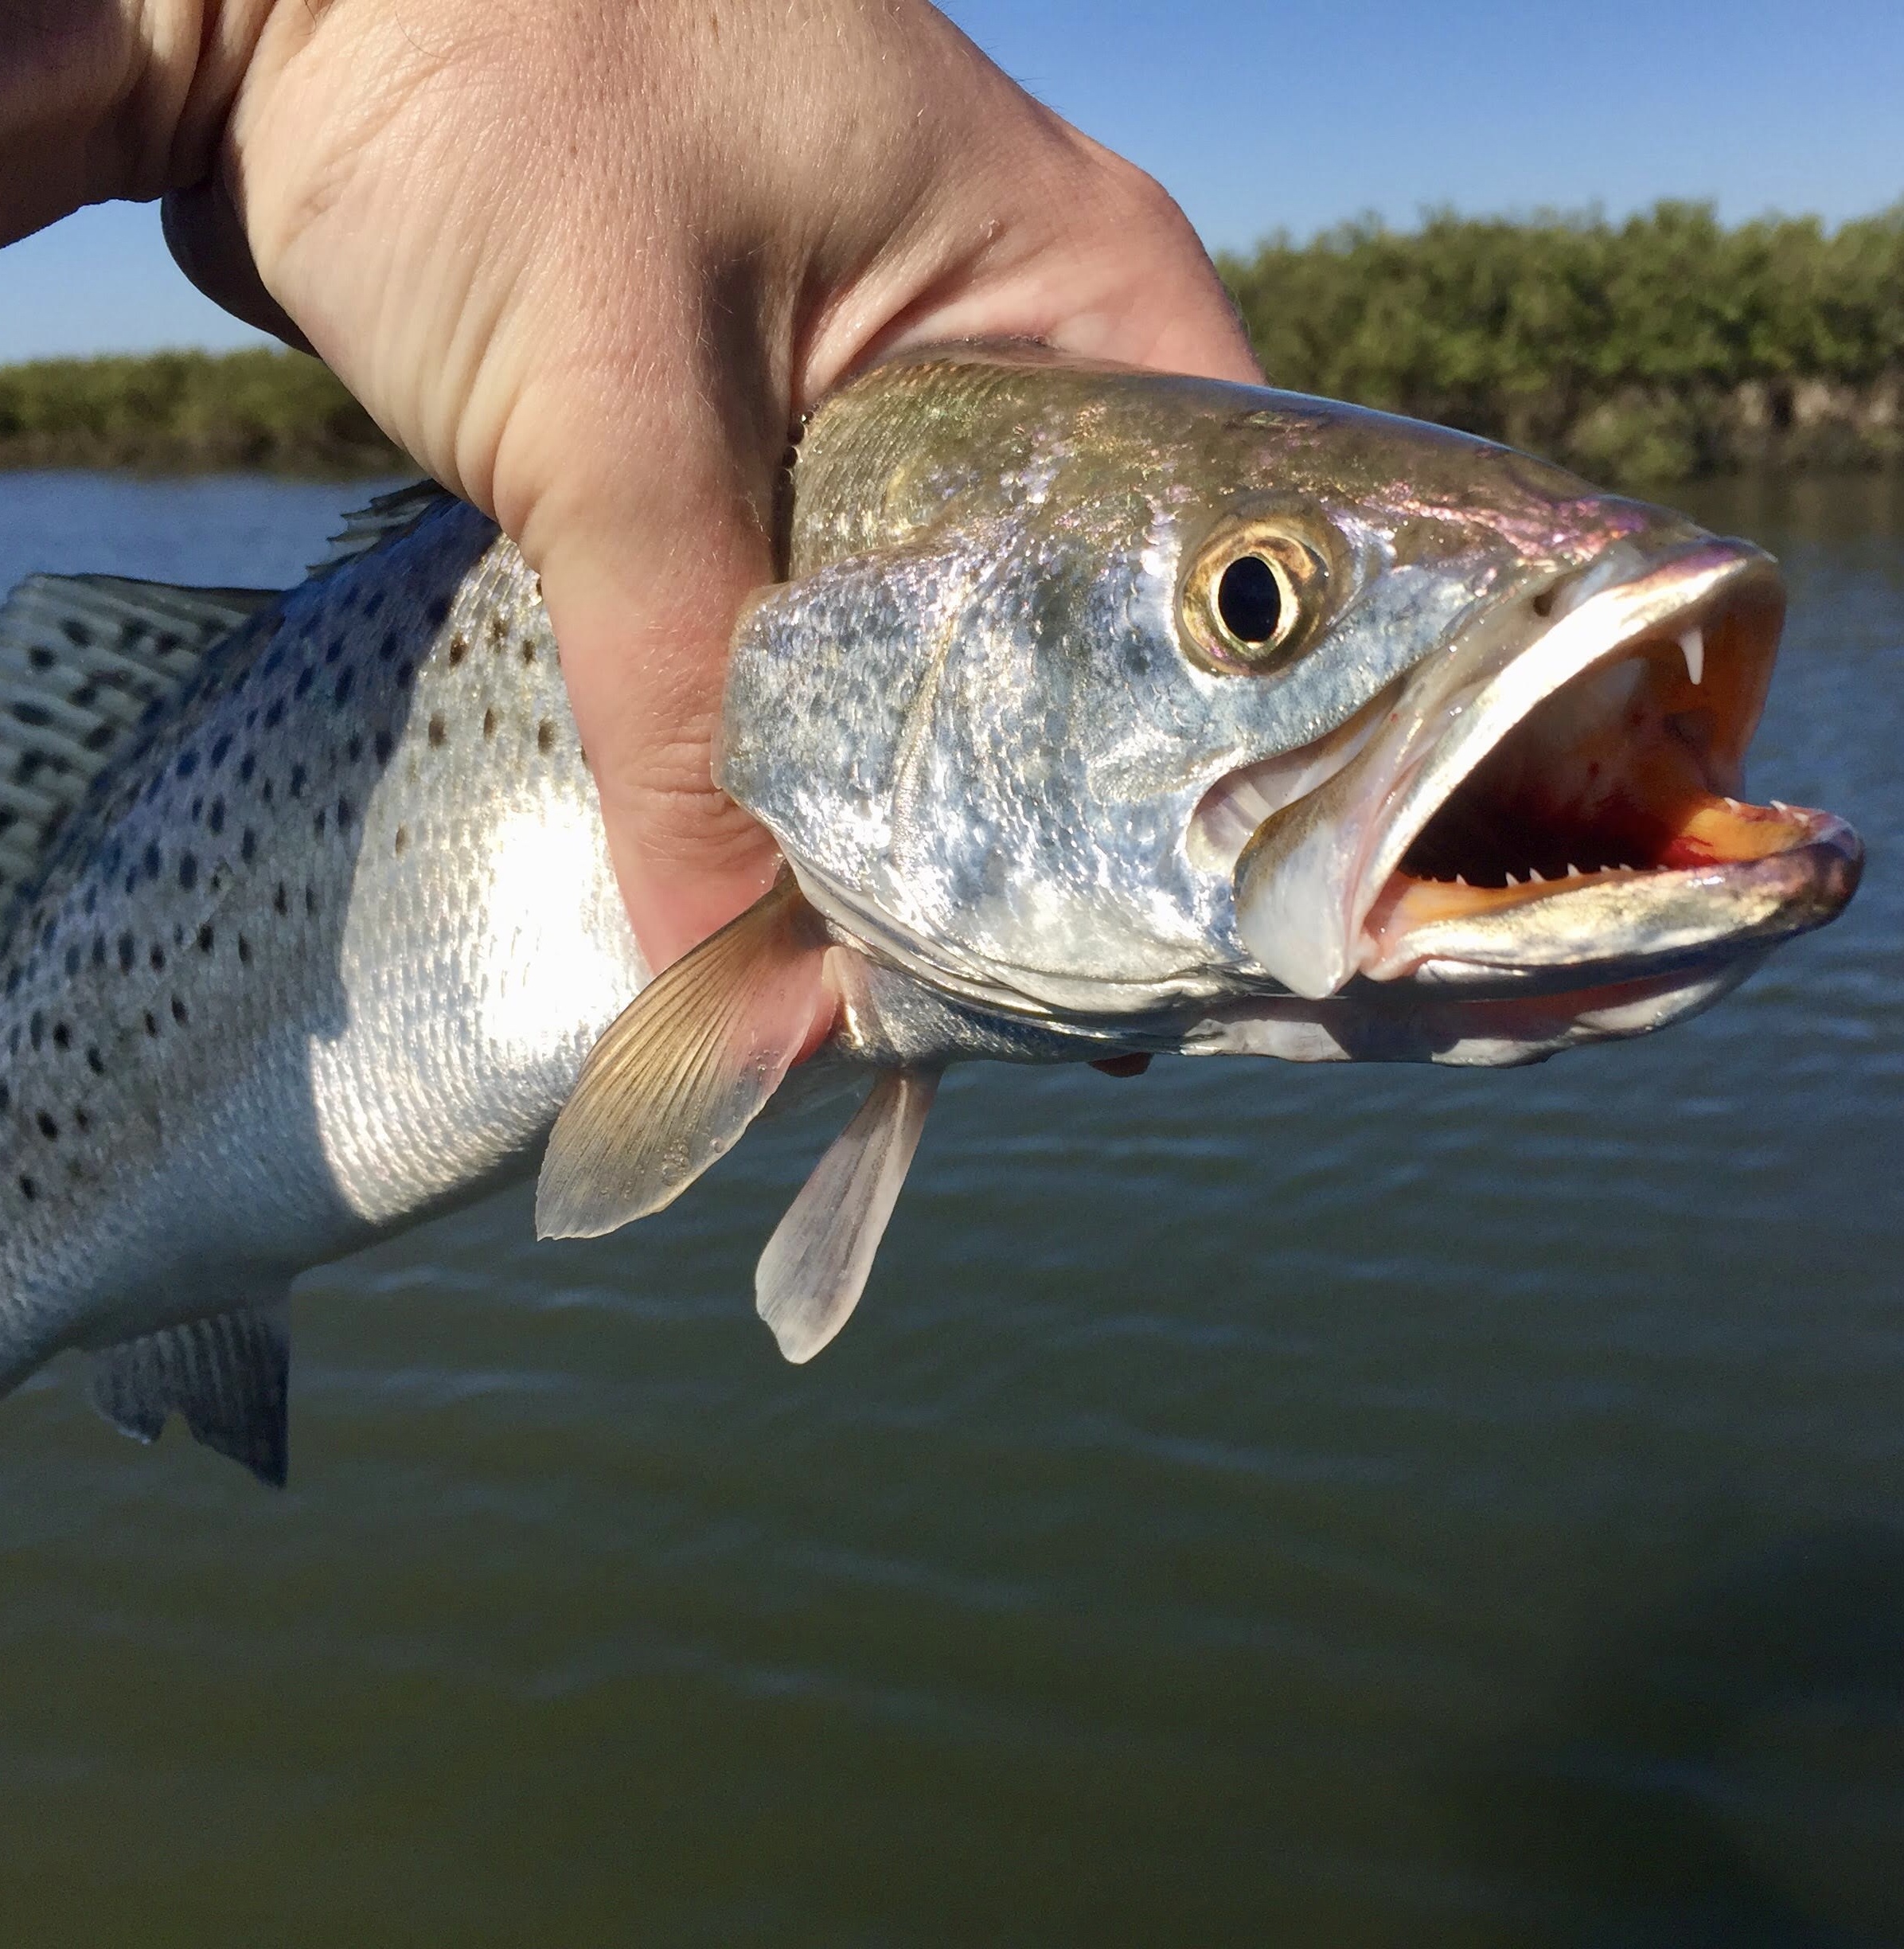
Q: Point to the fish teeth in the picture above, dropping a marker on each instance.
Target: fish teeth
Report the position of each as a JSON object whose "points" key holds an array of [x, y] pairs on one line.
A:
{"points": [[1534, 877], [1693, 647]]}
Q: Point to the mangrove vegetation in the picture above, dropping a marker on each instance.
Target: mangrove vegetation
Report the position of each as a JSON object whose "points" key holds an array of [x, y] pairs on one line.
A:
{"points": [[1660, 348], [1653, 349], [274, 412]]}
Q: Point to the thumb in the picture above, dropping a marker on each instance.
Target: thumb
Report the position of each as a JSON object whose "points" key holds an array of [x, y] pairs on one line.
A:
{"points": [[642, 606]]}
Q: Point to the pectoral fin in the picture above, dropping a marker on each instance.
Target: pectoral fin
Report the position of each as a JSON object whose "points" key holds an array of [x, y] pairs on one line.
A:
{"points": [[229, 1377], [815, 1266], [686, 1068]]}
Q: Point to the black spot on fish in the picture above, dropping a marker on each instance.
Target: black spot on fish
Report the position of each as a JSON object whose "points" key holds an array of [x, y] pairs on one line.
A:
{"points": [[62, 1036], [247, 765], [406, 672], [7, 1099], [100, 736], [36, 1030], [151, 1023], [489, 723], [318, 824], [204, 938], [306, 677], [40, 657], [529, 651], [48, 1129], [198, 808], [73, 957], [188, 763], [340, 691], [247, 846], [353, 751], [36, 715], [244, 950], [344, 814], [178, 1012], [387, 649], [98, 951], [438, 610], [153, 862], [267, 792], [333, 650], [296, 786], [401, 842], [459, 648], [95, 1061], [28, 1189], [85, 696], [157, 957], [128, 950], [281, 900], [310, 899], [438, 731], [217, 821], [187, 870], [275, 716], [220, 750], [81, 1122], [545, 736]]}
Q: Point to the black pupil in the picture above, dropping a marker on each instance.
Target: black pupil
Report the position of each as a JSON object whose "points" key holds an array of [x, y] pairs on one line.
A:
{"points": [[1249, 599]]}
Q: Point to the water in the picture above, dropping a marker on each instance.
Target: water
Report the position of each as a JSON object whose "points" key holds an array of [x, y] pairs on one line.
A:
{"points": [[1253, 1504]]}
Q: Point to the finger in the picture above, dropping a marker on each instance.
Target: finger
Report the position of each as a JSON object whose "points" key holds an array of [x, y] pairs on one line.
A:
{"points": [[208, 243]]}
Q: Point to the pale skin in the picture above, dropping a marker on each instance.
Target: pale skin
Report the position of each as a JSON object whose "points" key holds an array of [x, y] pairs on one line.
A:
{"points": [[590, 261]]}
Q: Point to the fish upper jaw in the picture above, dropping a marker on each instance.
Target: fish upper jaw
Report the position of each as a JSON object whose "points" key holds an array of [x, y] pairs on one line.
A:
{"points": [[1526, 805]]}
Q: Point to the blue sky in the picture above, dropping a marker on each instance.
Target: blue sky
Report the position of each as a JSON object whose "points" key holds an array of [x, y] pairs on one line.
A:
{"points": [[1258, 116]]}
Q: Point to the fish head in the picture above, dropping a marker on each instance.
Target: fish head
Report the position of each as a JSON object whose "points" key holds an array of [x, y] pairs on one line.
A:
{"points": [[1100, 693]]}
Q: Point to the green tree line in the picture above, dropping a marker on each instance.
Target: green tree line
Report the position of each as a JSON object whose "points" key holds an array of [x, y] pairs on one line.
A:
{"points": [[278, 412], [1660, 347], [1663, 347]]}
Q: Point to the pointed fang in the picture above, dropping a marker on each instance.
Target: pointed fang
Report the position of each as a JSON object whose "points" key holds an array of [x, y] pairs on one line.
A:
{"points": [[1692, 646]]}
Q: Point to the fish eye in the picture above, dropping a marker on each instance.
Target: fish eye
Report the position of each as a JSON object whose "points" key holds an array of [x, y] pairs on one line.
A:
{"points": [[1251, 597]]}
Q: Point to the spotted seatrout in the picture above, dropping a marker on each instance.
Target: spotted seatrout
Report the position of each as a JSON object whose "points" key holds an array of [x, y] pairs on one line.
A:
{"points": [[1101, 715]]}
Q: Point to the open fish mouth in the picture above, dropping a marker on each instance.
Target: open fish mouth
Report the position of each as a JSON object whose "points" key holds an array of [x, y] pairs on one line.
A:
{"points": [[1565, 811]]}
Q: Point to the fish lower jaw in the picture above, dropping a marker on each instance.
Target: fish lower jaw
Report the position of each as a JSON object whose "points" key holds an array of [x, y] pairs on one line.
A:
{"points": [[1744, 877]]}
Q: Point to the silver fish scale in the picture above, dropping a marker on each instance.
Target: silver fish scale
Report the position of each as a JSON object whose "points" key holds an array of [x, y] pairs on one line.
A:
{"points": [[345, 929]]}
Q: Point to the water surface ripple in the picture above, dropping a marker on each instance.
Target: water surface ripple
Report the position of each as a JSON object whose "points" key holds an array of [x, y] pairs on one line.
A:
{"points": [[1253, 1504]]}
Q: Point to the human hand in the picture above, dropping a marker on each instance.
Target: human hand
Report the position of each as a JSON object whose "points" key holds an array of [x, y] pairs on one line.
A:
{"points": [[590, 264]]}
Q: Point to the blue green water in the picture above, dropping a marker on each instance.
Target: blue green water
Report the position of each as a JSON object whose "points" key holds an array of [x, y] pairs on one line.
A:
{"points": [[1252, 1504]]}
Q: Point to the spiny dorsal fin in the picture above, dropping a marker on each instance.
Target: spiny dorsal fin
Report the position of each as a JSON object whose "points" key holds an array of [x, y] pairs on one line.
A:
{"points": [[83, 659], [229, 1377], [684, 1068], [815, 1266], [389, 515]]}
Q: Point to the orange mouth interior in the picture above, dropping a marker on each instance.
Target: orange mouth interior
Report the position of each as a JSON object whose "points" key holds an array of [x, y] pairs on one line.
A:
{"points": [[1629, 769]]}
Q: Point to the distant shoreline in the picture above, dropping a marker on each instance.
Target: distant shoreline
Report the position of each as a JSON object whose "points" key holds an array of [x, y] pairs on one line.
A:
{"points": [[191, 412], [1665, 349]]}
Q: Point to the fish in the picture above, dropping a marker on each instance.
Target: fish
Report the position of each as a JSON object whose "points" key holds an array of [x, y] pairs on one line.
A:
{"points": [[1097, 714]]}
